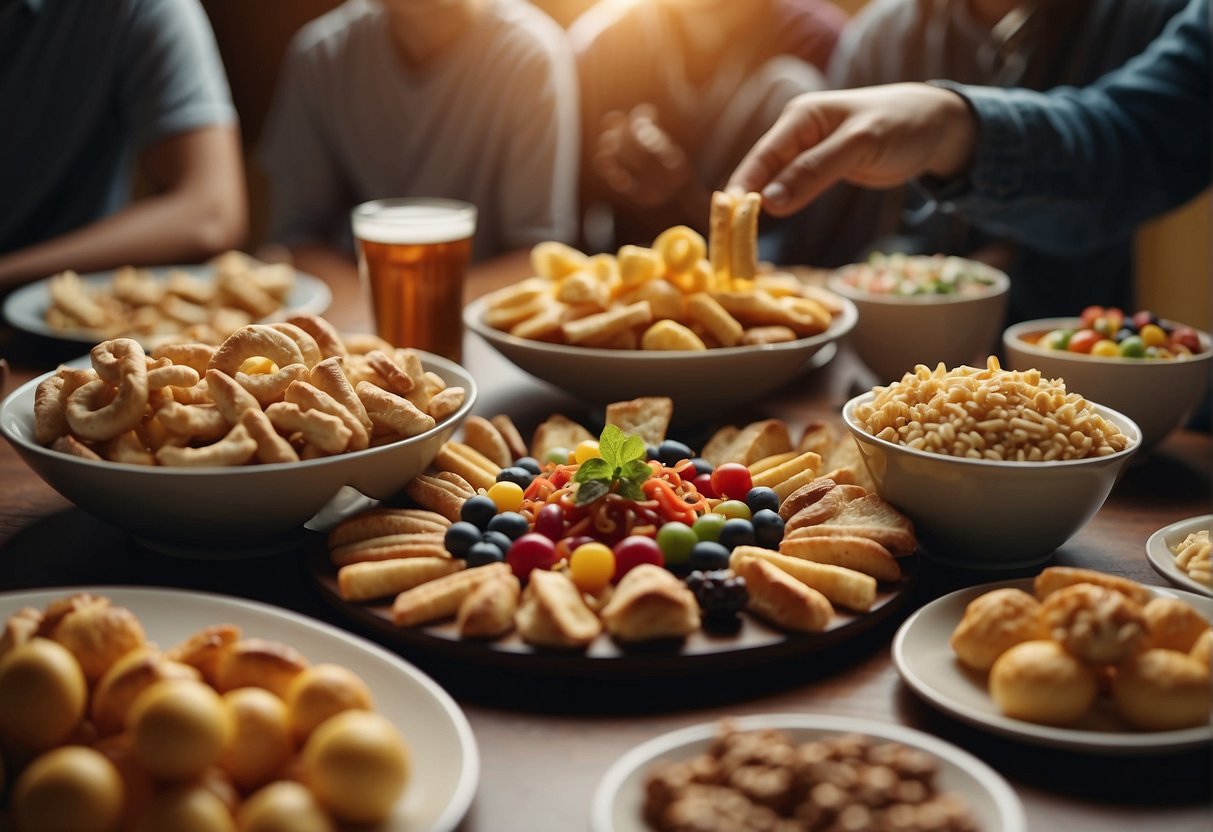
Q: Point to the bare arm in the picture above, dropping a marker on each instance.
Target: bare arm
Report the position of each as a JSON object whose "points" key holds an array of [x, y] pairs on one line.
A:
{"points": [[198, 209]]}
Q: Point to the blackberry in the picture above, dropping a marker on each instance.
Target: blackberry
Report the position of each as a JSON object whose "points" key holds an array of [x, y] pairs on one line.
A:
{"points": [[721, 596]]}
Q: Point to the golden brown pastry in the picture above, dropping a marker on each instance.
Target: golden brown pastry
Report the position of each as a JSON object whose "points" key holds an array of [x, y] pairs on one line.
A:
{"points": [[20, 627], [42, 694], [1162, 690], [993, 623], [1173, 624], [553, 614], [781, 599], [284, 806], [179, 727], [125, 680], [1039, 681], [322, 691], [258, 662], [190, 806], [261, 744], [356, 765], [69, 788], [649, 602], [204, 649], [441, 597], [1054, 578], [1202, 650], [488, 610], [98, 634], [1094, 623]]}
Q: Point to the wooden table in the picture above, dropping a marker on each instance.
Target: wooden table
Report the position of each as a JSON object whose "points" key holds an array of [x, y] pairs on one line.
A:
{"points": [[546, 742]]}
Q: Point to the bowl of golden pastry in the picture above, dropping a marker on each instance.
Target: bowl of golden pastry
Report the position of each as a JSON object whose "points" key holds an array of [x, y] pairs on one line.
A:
{"points": [[228, 450], [692, 319], [996, 468]]}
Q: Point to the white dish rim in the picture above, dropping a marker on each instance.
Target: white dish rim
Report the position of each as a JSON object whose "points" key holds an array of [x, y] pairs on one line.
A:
{"points": [[1158, 552]]}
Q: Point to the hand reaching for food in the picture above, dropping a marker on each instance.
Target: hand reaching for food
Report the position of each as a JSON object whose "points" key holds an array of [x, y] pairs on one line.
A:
{"points": [[639, 161]]}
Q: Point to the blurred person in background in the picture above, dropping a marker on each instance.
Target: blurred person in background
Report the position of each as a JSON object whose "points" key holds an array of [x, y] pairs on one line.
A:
{"points": [[91, 93], [1034, 44], [464, 99], [675, 91]]}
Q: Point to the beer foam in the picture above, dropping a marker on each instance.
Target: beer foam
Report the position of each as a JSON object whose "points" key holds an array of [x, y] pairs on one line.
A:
{"points": [[416, 224]]}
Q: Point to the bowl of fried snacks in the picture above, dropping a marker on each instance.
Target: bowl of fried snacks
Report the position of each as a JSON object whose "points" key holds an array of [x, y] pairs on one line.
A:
{"points": [[995, 468], [695, 320], [229, 450]]}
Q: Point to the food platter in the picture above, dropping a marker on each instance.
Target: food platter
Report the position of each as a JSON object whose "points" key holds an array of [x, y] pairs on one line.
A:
{"points": [[927, 665], [755, 643], [619, 797], [1158, 552], [26, 307], [444, 752]]}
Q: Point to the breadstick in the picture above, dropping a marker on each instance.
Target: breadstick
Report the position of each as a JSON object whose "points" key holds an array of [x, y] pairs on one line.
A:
{"points": [[845, 587]]}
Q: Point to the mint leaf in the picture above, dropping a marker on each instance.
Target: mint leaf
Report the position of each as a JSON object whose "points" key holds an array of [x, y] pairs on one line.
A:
{"points": [[632, 450], [629, 489], [636, 471], [594, 468], [589, 491], [611, 444]]}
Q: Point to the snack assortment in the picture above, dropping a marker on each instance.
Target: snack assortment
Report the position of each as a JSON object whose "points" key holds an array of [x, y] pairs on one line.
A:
{"points": [[180, 306], [988, 413], [766, 780], [905, 275], [1192, 555], [632, 534], [277, 392], [101, 729], [1081, 636], [1108, 332], [683, 293]]}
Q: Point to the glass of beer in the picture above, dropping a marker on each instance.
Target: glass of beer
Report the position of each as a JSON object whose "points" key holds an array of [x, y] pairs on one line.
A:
{"points": [[413, 255]]}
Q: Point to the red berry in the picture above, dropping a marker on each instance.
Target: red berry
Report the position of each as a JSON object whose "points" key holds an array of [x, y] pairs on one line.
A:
{"points": [[531, 551], [732, 480], [1185, 336], [703, 484], [633, 551], [1089, 315], [1083, 340], [549, 522]]}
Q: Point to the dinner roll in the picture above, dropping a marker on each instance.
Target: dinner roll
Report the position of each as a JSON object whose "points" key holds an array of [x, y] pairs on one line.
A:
{"points": [[324, 691], [189, 807], [260, 663], [125, 680], [98, 634], [994, 622], [356, 765], [137, 784], [42, 694], [1094, 623], [204, 650], [1202, 650], [1162, 690], [68, 789], [1040, 682], [261, 744], [179, 727], [284, 806], [1173, 624]]}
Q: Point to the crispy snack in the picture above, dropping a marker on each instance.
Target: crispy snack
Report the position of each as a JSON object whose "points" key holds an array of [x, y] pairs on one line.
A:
{"points": [[850, 510], [381, 522], [791, 475], [509, 432], [464, 460], [782, 599], [440, 598], [1054, 578], [670, 335], [443, 493], [844, 587], [488, 610], [853, 552], [391, 413], [553, 614], [366, 580], [308, 397], [647, 417], [483, 437], [649, 602], [236, 448], [1194, 555], [596, 329], [706, 311], [557, 431], [391, 547]]}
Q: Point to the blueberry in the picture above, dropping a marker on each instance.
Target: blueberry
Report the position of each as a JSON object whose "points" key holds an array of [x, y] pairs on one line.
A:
{"points": [[708, 555], [460, 537], [671, 451], [478, 511], [1124, 332], [651, 452], [768, 528], [511, 524], [760, 498], [497, 539], [528, 463], [517, 475], [702, 466], [737, 532], [482, 554]]}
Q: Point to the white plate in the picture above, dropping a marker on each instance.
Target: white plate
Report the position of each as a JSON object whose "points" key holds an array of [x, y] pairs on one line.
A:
{"points": [[619, 800], [926, 663], [446, 762], [26, 307], [1158, 552]]}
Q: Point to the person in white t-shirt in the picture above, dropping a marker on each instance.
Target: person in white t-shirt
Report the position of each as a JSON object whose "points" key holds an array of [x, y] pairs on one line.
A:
{"points": [[463, 99]]}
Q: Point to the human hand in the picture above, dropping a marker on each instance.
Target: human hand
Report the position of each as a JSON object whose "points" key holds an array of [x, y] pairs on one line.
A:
{"points": [[876, 137], [639, 161]]}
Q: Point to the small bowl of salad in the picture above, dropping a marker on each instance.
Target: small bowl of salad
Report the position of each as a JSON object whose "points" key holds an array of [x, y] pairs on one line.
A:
{"points": [[922, 309], [1152, 369]]}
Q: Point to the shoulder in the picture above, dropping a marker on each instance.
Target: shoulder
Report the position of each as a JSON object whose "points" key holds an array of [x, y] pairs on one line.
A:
{"points": [[521, 34], [609, 23], [335, 33], [155, 20]]}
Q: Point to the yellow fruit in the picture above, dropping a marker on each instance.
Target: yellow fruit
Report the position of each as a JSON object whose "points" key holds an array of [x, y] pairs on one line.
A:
{"points": [[42, 694], [356, 765], [74, 789]]}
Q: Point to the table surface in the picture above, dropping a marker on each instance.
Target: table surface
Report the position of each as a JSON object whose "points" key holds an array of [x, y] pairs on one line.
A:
{"points": [[545, 742]]}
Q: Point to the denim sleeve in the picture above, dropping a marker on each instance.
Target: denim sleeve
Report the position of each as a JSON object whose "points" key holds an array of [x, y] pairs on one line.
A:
{"points": [[1072, 170]]}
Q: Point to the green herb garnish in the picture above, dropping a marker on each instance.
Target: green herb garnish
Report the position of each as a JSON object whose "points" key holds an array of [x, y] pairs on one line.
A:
{"points": [[620, 468]]}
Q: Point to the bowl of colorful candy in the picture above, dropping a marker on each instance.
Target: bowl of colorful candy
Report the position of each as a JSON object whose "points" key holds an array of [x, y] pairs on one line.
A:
{"points": [[916, 309], [1154, 371]]}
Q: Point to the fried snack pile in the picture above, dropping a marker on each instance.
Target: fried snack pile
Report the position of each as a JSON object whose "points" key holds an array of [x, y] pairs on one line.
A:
{"points": [[501, 549], [765, 780], [182, 306], [102, 729], [1081, 634], [681, 294], [279, 392], [1194, 555]]}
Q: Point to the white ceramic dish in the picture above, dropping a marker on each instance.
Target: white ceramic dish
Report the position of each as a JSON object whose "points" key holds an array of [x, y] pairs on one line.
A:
{"points": [[446, 760], [702, 382], [981, 514], [1158, 552], [896, 332], [1156, 394], [619, 798], [26, 307], [227, 512], [928, 666]]}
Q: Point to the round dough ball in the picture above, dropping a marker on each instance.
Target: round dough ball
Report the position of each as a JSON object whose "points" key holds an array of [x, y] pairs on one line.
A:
{"points": [[993, 623], [1039, 681], [1172, 624], [73, 788], [1202, 650], [1095, 624], [259, 663], [42, 694], [1162, 690], [137, 784], [324, 691], [356, 765], [284, 806], [126, 679], [179, 727], [261, 743], [98, 634], [186, 808]]}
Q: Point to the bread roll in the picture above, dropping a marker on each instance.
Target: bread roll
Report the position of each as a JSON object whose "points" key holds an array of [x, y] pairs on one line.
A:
{"points": [[1039, 681], [125, 680], [284, 806], [321, 692], [261, 743], [1202, 650], [69, 789], [179, 727], [356, 765], [188, 807], [993, 623], [42, 694], [1162, 690], [260, 663], [1173, 624], [98, 634], [1094, 623]]}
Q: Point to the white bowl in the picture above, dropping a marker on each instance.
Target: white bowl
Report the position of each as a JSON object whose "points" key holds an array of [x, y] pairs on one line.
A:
{"points": [[982, 514], [226, 512], [1157, 394], [701, 383], [896, 332]]}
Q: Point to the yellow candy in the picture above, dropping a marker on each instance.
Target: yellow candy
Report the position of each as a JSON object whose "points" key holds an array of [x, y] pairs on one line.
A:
{"points": [[506, 495], [1105, 348], [1153, 336]]}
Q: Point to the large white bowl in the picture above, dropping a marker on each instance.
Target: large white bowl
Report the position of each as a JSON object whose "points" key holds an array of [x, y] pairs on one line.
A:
{"points": [[896, 332], [700, 382], [982, 514], [1157, 394], [226, 512]]}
